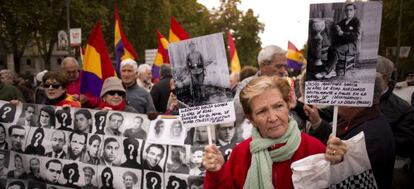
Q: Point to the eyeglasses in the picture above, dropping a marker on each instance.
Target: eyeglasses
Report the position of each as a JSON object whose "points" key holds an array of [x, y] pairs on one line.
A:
{"points": [[119, 93], [54, 86]]}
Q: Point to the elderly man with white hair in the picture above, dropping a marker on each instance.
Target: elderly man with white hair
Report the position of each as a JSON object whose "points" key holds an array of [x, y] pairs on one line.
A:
{"points": [[71, 67], [136, 96], [272, 61], [144, 77]]}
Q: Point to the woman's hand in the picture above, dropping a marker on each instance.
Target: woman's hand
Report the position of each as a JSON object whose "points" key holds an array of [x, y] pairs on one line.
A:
{"points": [[335, 150], [213, 160]]}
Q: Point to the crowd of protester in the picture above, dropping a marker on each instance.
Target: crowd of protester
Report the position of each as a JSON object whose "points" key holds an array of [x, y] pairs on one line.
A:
{"points": [[388, 125]]}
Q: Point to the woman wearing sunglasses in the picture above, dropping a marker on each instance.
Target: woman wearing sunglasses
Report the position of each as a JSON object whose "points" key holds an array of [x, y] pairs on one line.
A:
{"points": [[113, 96], [55, 84]]}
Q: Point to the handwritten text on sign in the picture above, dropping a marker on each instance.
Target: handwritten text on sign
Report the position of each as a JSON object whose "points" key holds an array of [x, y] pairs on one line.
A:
{"points": [[208, 114], [339, 93]]}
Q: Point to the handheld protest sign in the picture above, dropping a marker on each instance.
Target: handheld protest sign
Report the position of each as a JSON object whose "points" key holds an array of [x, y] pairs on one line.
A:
{"points": [[202, 80], [343, 46]]}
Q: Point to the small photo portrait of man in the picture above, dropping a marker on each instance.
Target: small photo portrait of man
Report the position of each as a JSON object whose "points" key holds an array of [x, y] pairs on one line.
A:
{"points": [[83, 121], [16, 184], [89, 176], [136, 129], [92, 150], [77, 146], [28, 116], [53, 171], [58, 141], [4, 162], [110, 152], [17, 135], [114, 123], [178, 161], [154, 157], [225, 134]]}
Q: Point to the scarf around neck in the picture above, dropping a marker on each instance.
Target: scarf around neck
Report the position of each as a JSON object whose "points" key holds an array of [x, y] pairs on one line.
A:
{"points": [[259, 174], [119, 107]]}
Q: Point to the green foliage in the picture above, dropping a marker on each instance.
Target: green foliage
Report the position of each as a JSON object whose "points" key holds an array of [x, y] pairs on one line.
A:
{"points": [[36, 23], [389, 32], [244, 26]]}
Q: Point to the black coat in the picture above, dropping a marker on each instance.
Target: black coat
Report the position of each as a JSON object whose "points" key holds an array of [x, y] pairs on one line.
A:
{"points": [[378, 138], [160, 93]]}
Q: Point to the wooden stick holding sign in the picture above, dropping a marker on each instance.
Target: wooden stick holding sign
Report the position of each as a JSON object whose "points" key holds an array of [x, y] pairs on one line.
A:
{"points": [[210, 141], [335, 120]]}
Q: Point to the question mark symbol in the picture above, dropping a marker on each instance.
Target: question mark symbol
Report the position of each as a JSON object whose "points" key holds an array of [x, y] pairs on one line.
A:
{"points": [[131, 149], [37, 138], [107, 176], [65, 116], [6, 111], [154, 182], [175, 184], [71, 173], [101, 121], [228, 152]]}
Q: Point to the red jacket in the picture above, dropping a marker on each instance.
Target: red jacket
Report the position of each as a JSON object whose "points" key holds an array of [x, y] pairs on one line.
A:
{"points": [[234, 172]]}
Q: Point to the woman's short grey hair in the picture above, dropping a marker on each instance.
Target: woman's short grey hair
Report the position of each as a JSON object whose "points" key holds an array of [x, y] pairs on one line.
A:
{"points": [[266, 54], [130, 62], [143, 67]]}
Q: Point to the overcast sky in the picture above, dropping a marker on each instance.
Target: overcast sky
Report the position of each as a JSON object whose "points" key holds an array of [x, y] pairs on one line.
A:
{"points": [[284, 19]]}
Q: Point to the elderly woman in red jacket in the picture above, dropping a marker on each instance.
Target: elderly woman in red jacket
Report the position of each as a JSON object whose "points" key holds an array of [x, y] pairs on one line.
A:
{"points": [[263, 161]]}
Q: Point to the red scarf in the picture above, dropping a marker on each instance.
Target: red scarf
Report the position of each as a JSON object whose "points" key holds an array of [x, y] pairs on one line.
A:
{"points": [[119, 107]]}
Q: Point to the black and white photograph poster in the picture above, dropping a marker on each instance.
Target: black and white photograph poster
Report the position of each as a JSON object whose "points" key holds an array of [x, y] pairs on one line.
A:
{"points": [[343, 45], [202, 78], [167, 130]]}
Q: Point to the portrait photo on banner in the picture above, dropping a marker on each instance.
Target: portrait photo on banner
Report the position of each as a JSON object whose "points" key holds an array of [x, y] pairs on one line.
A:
{"points": [[343, 46], [200, 70], [167, 130]]}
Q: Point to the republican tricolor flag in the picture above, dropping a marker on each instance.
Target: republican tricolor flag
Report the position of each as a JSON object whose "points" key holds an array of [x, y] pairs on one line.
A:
{"points": [[97, 65], [295, 58], [177, 33], [161, 57], [234, 58], [123, 49]]}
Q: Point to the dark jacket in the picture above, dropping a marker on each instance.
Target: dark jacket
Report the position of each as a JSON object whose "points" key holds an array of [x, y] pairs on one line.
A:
{"points": [[378, 138], [10, 92], [160, 93], [400, 116]]}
